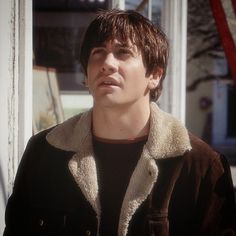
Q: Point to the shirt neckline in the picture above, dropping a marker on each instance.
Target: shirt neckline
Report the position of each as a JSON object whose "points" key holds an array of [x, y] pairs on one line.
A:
{"points": [[120, 141]]}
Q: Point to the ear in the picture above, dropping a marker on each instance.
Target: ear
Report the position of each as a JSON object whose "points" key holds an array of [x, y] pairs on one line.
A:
{"points": [[155, 78]]}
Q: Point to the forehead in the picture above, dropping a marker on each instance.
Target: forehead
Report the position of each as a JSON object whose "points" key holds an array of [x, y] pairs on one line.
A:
{"points": [[106, 32], [117, 43]]}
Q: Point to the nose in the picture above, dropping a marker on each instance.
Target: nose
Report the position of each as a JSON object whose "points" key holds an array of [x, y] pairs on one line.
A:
{"points": [[110, 64]]}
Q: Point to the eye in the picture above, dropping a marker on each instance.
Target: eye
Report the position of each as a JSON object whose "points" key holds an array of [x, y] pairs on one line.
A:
{"points": [[97, 51], [124, 53]]}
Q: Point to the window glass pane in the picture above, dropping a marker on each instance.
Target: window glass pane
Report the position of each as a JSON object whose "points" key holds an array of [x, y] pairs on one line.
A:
{"points": [[58, 89], [143, 7], [157, 7]]}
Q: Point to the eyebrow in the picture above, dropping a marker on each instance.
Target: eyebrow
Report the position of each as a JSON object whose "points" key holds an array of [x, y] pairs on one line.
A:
{"points": [[123, 45]]}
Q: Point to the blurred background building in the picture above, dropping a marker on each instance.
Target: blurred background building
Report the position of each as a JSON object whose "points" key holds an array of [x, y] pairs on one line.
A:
{"points": [[41, 82]]}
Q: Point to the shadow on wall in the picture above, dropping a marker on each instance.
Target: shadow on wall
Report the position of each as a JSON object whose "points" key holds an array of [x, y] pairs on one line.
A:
{"points": [[3, 191]]}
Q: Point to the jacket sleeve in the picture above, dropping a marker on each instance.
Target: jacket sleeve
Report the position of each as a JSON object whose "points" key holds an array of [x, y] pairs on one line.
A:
{"points": [[17, 205], [219, 217], [227, 191], [203, 201]]}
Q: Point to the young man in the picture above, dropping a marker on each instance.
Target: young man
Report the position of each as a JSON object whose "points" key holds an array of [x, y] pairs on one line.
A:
{"points": [[125, 167]]}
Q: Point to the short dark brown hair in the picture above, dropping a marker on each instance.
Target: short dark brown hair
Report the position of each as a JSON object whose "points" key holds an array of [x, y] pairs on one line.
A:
{"points": [[125, 26]]}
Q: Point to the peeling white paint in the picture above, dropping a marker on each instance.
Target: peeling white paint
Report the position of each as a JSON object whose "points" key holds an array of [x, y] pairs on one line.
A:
{"points": [[5, 94], [15, 91], [12, 96], [25, 74]]}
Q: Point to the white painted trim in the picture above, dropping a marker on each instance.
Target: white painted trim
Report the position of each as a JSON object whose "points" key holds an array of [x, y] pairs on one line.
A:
{"points": [[25, 74], [150, 9], [174, 20], [5, 89], [15, 91], [13, 82]]}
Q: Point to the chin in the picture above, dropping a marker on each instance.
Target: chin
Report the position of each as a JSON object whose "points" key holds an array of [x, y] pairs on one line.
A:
{"points": [[108, 102]]}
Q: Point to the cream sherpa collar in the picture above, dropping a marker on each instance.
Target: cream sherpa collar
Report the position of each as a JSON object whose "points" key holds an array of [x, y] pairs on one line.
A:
{"points": [[167, 138]]}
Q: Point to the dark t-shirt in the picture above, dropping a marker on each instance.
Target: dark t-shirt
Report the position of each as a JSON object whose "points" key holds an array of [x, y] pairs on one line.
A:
{"points": [[116, 161]]}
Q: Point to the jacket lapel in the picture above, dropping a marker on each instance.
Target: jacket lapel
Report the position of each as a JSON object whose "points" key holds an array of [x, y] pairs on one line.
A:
{"points": [[84, 172], [75, 135], [167, 138], [140, 185]]}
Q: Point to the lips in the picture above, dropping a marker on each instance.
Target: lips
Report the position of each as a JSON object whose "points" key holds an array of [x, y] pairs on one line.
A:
{"points": [[108, 82]]}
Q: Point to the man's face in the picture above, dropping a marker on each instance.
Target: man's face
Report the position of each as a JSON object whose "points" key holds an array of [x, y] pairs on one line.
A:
{"points": [[116, 75]]}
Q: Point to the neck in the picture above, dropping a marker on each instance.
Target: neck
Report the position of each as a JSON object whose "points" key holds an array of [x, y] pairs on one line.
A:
{"points": [[123, 123]]}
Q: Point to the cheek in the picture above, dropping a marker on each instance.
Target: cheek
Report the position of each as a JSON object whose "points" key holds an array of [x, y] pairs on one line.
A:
{"points": [[132, 68], [137, 73], [91, 71]]}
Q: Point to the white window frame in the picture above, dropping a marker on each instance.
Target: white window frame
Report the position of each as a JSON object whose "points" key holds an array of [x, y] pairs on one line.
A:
{"points": [[15, 91], [25, 73], [174, 21]]}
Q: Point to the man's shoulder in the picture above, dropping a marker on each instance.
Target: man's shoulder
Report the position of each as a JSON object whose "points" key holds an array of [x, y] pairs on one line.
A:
{"points": [[42, 134], [64, 129], [203, 157], [200, 149], [39, 138]]}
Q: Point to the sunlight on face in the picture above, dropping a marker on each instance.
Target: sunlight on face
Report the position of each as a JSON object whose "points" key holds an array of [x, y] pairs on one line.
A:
{"points": [[116, 74]]}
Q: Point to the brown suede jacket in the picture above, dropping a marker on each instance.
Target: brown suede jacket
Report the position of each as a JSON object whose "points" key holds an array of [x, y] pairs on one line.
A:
{"points": [[180, 186]]}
